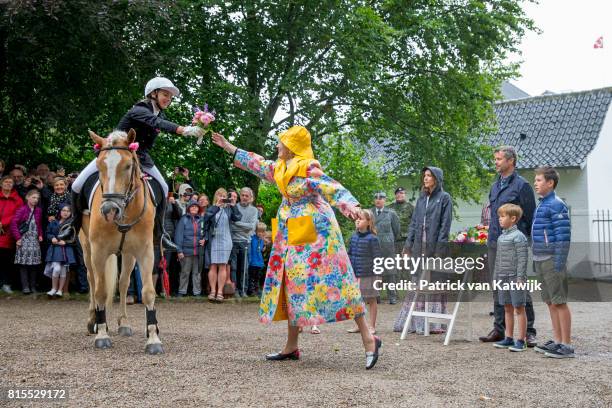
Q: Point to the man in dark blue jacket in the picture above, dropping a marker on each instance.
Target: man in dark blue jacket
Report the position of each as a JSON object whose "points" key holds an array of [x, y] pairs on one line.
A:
{"points": [[509, 188]]}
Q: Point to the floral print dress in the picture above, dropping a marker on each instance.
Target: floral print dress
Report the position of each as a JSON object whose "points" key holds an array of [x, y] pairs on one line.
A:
{"points": [[29, 251], [312, 283]]}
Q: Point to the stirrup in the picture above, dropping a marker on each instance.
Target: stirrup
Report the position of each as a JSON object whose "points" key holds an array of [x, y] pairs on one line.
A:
{"points": [[67, 233], [168, 244]]}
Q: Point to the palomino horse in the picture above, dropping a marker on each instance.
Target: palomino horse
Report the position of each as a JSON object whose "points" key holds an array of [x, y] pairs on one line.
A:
{"points": [[121, 221]]}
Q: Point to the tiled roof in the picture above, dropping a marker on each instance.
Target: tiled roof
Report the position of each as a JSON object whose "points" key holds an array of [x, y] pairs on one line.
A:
{"points": [[559, 130]]}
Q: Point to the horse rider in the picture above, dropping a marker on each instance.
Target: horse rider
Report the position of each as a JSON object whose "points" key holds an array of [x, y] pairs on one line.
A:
{"points": [[147, 118]]}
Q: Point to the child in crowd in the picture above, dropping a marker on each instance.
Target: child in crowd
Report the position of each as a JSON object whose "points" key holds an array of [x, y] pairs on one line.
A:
{"points": [[59, 196], [26, 227], [189, 239], [511, 267], [256, 260], [551, 235], [60, 254], [363, 248]]}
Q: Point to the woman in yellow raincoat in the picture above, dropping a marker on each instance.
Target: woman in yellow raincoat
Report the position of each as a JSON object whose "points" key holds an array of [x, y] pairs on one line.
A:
{"points": [[309, 279]]}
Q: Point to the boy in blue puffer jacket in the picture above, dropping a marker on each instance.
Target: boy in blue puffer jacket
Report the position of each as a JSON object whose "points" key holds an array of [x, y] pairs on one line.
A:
{"points": [[189, 239], [256, 260], [551, 234]]}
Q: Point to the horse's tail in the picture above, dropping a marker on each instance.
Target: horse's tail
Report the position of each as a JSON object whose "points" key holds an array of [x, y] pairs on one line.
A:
{"points": [[110, 280]]}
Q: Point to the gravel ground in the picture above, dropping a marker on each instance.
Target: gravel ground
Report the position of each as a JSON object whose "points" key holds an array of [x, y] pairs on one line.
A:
{"points": [[214, 357]]}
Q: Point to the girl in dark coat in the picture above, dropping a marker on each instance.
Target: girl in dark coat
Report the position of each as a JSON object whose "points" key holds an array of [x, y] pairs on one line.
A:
{"points": [[60, 254], [364, 247]]}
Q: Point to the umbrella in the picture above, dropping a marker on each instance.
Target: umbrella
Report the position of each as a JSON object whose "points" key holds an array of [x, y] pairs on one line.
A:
{"points": [[165, 278]]}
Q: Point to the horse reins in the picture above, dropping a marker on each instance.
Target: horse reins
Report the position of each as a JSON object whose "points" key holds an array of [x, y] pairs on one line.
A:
{"points": [[127, 197]]}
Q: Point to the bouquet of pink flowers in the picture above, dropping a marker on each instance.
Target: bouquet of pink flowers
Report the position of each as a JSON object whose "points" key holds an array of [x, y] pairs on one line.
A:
{"points": [[473, 235], [203, 118]]}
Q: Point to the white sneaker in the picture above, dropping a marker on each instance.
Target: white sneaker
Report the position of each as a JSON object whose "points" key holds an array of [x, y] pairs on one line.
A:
{"points": [[51, 292], [7, 289], [59, 293]]}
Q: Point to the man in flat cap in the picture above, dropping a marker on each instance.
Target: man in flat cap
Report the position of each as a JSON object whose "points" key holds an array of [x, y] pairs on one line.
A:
{"points": [[404, 211], [388, 231]]}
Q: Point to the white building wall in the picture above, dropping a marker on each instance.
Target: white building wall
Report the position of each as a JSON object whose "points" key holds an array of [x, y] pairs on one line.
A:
{"points": [[597, 251], [599, 169]]}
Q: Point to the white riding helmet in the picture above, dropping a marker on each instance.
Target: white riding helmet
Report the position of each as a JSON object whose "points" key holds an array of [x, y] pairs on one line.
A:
{"points": [[161, 83]]}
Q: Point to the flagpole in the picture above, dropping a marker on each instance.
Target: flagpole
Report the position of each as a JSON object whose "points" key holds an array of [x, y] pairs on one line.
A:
{"points": [[598, 47]]}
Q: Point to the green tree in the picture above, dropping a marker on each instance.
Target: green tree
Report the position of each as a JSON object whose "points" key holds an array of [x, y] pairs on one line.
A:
{"points": [[270, 198], [69, 66], [420, 74], [342, 160]]}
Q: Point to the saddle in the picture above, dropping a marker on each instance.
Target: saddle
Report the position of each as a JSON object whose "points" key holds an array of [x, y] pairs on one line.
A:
{"points": [[93, 182]]}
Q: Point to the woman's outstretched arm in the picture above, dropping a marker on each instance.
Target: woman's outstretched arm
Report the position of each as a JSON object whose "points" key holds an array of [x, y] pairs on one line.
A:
{"points": [[251, 162]]}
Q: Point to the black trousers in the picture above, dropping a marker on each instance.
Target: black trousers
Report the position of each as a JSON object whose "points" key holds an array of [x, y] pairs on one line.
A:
{"points": [[7, 266], [254, 278], [239, 260]]}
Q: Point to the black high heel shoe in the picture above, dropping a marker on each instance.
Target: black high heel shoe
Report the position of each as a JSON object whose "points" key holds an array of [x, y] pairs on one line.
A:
{"points": [[372, 356], [294, 355]]}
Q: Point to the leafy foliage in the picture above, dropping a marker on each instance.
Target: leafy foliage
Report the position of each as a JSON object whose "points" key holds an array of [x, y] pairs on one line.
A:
{"points": [[342, 160], [420, 74]]}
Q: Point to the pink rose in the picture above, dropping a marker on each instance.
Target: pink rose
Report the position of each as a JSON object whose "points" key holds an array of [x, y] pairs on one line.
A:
{"points": [[207, 118]]}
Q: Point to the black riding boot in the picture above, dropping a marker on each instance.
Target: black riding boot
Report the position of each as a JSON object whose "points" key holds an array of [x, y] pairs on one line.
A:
{"points": [[159, 231], [70, 232]]}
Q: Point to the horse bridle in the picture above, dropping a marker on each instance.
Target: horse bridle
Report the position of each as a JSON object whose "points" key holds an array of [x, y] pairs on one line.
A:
{"points": [[127, 197]]}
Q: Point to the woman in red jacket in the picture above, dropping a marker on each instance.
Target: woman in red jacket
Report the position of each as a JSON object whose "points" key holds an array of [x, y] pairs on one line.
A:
{"points": [[9, 203]]}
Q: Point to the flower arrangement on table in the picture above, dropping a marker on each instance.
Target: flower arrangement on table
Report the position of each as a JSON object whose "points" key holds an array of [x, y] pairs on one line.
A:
{"points": [[203, 118], [472, 235], [471, 243]]}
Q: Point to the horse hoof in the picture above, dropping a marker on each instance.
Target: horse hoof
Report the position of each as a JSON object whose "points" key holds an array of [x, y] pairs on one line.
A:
{"points": [[154, 348], [125, 331], [103, 343], [91, 328]]}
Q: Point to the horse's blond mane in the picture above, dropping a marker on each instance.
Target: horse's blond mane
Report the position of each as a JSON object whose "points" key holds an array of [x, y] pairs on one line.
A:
{"points": [[116, 137]]}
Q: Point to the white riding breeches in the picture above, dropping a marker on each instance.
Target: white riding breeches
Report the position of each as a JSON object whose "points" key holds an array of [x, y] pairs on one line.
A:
{"points": [[91, 168]]}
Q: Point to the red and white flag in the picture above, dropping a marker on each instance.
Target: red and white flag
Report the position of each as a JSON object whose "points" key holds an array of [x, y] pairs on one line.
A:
{"points": [[598, 43]]}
